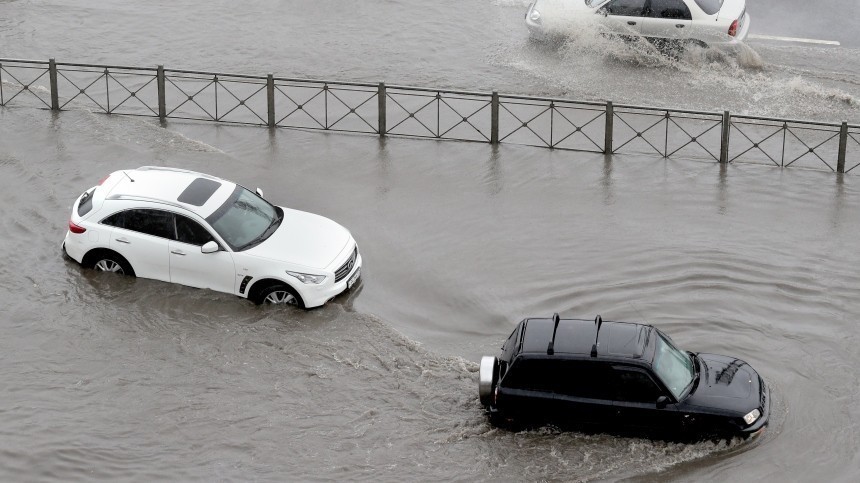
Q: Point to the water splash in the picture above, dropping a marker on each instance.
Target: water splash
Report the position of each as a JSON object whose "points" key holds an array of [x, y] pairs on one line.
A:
{"points": [[583, 61]]}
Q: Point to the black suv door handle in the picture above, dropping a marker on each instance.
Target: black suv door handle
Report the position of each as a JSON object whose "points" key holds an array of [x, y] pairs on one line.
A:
{"points": [[631, 22], [679, 25]]}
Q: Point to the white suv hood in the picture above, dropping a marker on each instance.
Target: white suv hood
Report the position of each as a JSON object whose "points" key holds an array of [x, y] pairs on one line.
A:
{"points": [[304, 239]]}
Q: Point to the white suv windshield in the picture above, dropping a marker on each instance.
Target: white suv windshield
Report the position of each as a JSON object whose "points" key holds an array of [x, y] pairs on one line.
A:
{"points": [[245, 219], [674, 367]]}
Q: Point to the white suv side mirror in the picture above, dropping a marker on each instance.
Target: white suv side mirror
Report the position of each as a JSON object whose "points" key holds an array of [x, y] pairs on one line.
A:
{"points": [[210, 247], [260, 193]]}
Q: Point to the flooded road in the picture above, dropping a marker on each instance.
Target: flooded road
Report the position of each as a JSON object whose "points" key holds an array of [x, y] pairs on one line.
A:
{"points": [[113, 378], [118, 379], [471, 45]]}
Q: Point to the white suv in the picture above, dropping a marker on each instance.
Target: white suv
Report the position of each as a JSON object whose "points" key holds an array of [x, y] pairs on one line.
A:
{"points": [[198, 230]]}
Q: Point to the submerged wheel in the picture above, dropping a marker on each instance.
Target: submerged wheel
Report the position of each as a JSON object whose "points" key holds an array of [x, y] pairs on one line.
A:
{"points": [[279, 294], [111, 262]]}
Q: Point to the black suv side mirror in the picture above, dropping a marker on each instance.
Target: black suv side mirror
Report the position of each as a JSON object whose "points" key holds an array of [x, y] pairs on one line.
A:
{"points": [[662, 401]]}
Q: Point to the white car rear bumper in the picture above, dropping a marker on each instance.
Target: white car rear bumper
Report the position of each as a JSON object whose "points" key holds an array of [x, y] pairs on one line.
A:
{"points": [[75, 246]]}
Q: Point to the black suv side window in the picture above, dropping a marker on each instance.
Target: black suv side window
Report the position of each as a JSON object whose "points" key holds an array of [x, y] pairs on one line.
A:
{"points": [[591, 380], [532, 375], [670, 9], [635, 386], [151, 222], [189, 231], [627, 8]]}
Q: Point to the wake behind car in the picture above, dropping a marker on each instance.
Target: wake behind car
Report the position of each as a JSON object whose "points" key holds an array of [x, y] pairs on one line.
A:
{"points": [[722, 24], [198, 230], [620, 376]]}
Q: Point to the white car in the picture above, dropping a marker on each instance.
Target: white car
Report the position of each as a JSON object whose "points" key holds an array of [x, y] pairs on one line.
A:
{"points": [[198, 230], [714, 23]]}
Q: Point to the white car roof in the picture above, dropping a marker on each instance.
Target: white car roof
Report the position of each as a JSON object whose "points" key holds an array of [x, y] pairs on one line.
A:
{"points": [[166, 185]]}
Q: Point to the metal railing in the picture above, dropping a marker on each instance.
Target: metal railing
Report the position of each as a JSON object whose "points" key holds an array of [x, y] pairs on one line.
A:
{"points": [[599, 127]]}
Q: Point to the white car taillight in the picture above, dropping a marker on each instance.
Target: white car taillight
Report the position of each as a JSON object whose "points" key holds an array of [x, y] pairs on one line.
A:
{"points": [[75, 228], [733, 29]]}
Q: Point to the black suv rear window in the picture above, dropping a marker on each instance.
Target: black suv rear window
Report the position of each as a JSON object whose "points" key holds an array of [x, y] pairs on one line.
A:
{"points": [[198, 192]]}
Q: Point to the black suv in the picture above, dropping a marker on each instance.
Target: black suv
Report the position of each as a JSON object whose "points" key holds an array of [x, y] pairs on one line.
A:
{"points": [[619, 376]]}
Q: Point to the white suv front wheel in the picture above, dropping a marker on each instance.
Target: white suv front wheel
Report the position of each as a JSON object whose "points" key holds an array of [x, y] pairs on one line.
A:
{"points": [[279, 294]]}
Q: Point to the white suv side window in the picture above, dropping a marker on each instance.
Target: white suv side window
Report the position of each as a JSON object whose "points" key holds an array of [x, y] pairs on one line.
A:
{"points": [[150, 222], [191, 232]]}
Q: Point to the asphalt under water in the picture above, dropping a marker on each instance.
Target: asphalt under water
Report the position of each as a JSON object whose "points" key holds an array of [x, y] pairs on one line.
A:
{"points": [[120, 379], [117, 378]]}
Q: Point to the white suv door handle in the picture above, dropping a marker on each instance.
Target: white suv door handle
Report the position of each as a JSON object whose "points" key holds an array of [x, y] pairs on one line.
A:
{"points": [[178, 252], [122, 240]]}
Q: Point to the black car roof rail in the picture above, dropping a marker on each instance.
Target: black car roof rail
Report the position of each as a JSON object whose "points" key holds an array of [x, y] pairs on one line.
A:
{"points": [[597, 321], [550, 348]]}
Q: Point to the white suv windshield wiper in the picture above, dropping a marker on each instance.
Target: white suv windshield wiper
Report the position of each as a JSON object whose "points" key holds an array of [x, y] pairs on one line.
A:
{"points": [[272, 228]]}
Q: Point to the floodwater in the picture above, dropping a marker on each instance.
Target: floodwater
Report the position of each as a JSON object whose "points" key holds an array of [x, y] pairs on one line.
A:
{"points": [[117, 379], [464, 44]]}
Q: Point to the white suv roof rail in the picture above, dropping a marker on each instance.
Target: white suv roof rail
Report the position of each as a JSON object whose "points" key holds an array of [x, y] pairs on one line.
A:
{"points": [[147, 199], [176, 170]]}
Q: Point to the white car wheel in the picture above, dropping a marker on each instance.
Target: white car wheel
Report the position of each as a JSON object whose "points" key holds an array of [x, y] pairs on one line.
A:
{"points": [[107, 261], [108, 266], [280, 297], [278, 294]]}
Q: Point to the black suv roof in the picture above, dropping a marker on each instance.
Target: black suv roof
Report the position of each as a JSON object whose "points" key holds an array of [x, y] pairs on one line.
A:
{"points": [[617, 340]]}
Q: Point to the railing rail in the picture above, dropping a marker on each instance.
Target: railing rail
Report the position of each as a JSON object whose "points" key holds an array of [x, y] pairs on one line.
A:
{"points": [[395, 110]]}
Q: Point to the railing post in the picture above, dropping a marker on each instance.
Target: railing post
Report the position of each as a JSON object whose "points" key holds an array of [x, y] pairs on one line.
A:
{"points": [[494, 118], [607, 134], [55, 95], [270, 98], [162, 102], [381, 97], [843, 147], [724, 138]]}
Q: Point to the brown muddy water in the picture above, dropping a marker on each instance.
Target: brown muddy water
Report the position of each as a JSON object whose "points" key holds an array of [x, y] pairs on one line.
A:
{"points": [[120, 379]]}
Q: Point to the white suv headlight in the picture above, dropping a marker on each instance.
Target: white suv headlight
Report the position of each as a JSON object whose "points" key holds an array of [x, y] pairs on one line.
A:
{"points": [[307, 277], [535, 15], [752, 416]]}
